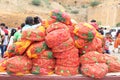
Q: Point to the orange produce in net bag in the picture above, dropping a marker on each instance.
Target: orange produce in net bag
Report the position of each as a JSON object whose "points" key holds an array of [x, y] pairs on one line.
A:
{"points": [[47, 54], [96, 70], [57, 37], [95, 45], [92, 57], [41, 71], [17, 48], [85, 32], [35, 49], [72, 60], [34, 34], [66, 54], [44, 63], [19, 65], [60, 16], [66, 71], [56, 26], [3, 65], [46, 23], [67, 45], [43, 66]]}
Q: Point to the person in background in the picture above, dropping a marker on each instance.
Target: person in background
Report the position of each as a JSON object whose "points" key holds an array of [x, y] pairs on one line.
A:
{"points": [[105, 30], [18, 34], [2, 36], [37, 21], [13, 31], [94, 24], [5, 41], [108, 41], [117, 42], [101, 31]]}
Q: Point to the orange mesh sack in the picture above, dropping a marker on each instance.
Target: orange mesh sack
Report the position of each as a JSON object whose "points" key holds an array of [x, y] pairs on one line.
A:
{"points": [[10, 51], [96, 70], [92, 57], [46, 23], [18, 48], [95, 45], [60, 16], [19, 65], [66, 71], [56, 26], [67, 45], [80, 43], [84, 31], [43, 66], [57, 37], [35, 49], [44, 63], [112, 62], [66, 54], [113, 66], [47, 54], [37, 70], [72, 59], [21, 46], [34, 34], [3, 65], [68, 62]]}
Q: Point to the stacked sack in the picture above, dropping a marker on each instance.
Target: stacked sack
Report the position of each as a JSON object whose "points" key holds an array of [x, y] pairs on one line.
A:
{"points": [[59, 40], [38, 51], [86, 38], [14, 55], [32, 51], [63, 17], [97, 65], [93, 64], [60, 16]]}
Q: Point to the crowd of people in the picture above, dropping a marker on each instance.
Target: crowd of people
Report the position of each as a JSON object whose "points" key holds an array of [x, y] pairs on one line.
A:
{"points": [[8, 37]]}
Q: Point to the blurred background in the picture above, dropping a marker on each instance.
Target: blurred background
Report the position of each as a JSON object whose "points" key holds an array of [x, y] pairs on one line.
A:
{"points": [[105, 12]]}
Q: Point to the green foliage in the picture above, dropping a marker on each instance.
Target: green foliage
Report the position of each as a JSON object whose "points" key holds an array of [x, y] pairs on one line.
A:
{"points": [[36, 2], [84, 6], [99, 23], [74, 11], [118, 24], [94, 3]]}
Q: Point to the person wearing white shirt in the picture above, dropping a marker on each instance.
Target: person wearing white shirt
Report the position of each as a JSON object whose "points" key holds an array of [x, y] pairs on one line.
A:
{"points": [[29, 24], [2, 36]]}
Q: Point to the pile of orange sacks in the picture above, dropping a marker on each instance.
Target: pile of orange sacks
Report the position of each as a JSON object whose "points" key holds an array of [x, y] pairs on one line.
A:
{"points": [[59, 48]]}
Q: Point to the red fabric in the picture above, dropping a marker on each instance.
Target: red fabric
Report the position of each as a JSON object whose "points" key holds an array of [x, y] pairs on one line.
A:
{"points": [[6, 31]]}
